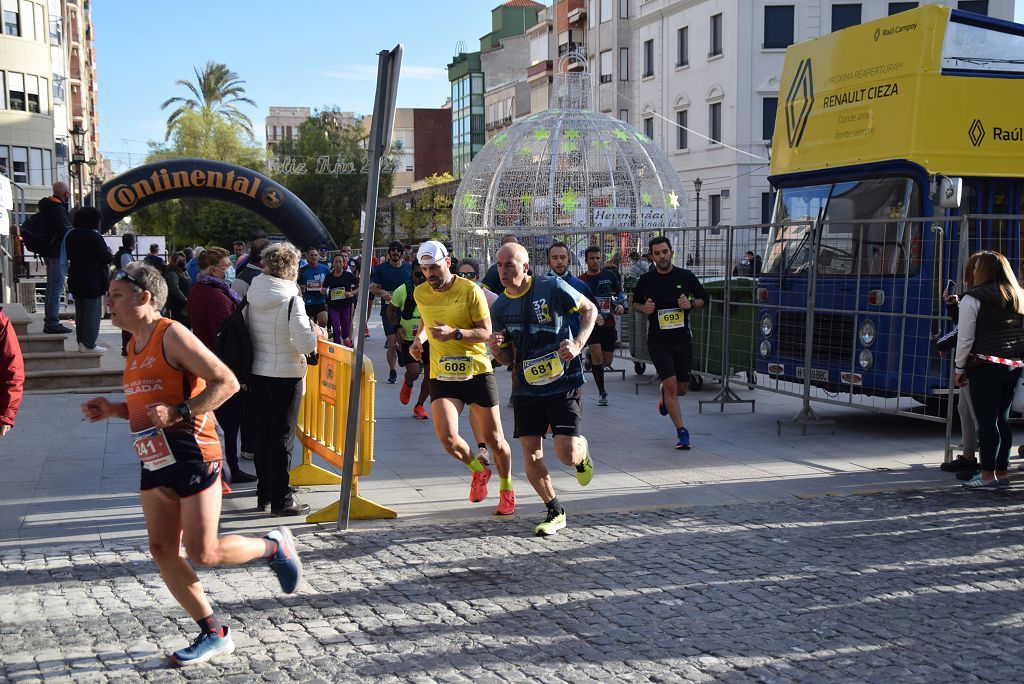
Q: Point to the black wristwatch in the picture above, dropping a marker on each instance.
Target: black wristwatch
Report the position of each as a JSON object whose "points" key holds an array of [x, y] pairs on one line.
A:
{"points": [[458, 334], [184, 411]]}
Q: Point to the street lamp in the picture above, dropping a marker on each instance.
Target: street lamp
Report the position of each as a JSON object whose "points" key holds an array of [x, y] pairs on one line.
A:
{"points": [[696, 251], [78, 158]]}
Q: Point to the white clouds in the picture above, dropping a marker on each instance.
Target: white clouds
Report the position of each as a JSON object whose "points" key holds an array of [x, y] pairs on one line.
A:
{"points": [[368, 72]]}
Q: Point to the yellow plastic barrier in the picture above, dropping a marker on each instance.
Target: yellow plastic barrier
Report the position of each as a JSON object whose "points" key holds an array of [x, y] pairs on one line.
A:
{"points": [[322, 426]]}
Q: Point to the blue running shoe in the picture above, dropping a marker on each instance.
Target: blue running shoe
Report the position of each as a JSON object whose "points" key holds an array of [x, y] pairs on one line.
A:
{"points": [[206, 646], [662, 409], [285, 562], [684, 438]]}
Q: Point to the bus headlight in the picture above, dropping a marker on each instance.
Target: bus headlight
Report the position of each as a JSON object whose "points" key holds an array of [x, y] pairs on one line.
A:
{"points": [[767, 325], [766, 348], [865, 359], [867, 333]]}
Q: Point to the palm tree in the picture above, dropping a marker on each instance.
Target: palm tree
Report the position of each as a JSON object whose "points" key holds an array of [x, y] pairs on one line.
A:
{"points": [[218, 92]]}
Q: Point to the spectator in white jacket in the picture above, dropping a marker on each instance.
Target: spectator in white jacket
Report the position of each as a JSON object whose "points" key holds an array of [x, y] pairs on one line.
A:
{"points": [[281, 336]]}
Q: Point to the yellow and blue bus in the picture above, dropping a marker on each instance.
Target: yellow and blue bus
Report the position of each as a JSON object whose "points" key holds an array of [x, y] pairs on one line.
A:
{"points": [[886, 133]]}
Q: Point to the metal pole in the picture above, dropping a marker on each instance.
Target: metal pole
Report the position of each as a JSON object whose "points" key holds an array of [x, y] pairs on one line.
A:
{"points": [[388, 66]]}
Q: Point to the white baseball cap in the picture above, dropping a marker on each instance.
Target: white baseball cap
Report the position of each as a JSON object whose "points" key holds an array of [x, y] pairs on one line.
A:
{"points": [[431, 252]]}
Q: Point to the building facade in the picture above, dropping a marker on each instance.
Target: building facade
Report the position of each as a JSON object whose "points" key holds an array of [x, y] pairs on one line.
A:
{"points": [[48, 88], [282, 123], [421, 141]]}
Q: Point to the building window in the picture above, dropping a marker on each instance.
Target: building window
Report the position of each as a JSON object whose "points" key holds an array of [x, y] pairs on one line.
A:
{"points": [[778, 26], [682, 118], [624, 115], [769, 106], [683, 46], [649, 127], [715, 122], [606, 66], [606, 10], [715, 208], [28, 20], [47, 168], [12, 17], [35, 166], [19, 165], [716, 36], [897, 7], [16, 91], [592, 14], [976, 6], [845, 16], [3, 90], [32, 93], [58, 88], [623, 64], [648, 58], [44, 96], [56, 31], [5, 160], [623, 9]]}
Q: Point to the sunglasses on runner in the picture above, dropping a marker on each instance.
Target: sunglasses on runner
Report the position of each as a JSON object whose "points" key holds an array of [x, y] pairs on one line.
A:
{"points": [[467, 274], [122, 275]]}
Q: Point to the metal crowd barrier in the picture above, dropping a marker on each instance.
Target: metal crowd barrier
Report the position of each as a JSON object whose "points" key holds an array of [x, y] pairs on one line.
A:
{"points": [[322, 427]]}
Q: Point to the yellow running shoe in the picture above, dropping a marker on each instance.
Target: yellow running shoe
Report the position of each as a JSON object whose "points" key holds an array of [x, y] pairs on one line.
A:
{"points": [[554, 522], [585, 470]]}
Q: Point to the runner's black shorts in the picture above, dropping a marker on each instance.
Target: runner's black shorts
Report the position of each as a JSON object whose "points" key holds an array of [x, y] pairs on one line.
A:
{"points": [[313, 309], [672, 357], [604, 336], [481, 390], [387, 324], [185, 478], [404, 358], [562, 412]]}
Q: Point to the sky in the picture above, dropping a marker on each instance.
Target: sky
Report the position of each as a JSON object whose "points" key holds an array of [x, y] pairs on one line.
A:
{"points": [[314, 53], [317, 53]]}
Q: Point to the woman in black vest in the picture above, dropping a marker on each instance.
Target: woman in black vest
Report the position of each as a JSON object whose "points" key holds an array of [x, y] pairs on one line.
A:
{"points": [[989, 350], [89, 266]]}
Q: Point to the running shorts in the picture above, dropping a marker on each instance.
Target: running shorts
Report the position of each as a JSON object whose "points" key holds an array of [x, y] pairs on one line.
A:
{"points": [[604, 336], [481, 390], [562, 412], [185, 478], [672, 358]]}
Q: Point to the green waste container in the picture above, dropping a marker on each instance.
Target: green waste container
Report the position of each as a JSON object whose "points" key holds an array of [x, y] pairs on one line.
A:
{"points": [[706, 326]]}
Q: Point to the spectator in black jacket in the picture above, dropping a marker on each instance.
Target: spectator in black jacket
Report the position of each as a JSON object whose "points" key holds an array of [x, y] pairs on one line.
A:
{"points": [[178, 286], [88, 276], [54, 210]]}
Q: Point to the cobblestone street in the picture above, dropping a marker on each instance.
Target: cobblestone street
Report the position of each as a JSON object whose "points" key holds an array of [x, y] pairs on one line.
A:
{"points": [[909, 586]]}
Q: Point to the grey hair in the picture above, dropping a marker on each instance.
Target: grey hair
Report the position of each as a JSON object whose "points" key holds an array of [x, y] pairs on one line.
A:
{"points": [[151, 279], [281, 260]]}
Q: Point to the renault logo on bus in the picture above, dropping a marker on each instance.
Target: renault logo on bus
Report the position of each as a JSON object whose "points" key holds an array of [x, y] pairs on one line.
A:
{"points": [[977, 132], [799, 103]]}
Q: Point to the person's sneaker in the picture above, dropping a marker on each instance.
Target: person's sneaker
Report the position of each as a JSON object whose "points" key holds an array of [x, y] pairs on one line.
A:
{"points": [[420, 412], [247, 455], [978, 484], [1002, 483], [57, 330], [506, 502], [91, 350], [478, 488], [406, 393], [684, 438], [603, 400], [662, 408], [967, 473], [290, 506], [481, 455], [392, 377], [241, 477], [207, 645], [554, 522], [959, 463], [585, 470], [285, 562]]}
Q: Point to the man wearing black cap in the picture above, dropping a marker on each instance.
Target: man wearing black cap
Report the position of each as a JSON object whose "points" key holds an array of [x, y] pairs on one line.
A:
{"points": [[385, 278]]}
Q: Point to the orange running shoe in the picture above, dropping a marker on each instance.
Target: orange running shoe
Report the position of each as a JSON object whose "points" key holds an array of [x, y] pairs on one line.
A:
{"points": [[506, 502], [478, 488], [420, 412], [405, 394]]}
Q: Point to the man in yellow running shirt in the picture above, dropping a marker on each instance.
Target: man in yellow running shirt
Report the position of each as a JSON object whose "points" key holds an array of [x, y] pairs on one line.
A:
{"points": [[455, 318]]}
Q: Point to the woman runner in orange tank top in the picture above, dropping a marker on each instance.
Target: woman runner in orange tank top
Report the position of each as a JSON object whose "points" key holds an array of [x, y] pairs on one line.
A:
{"points": [[172, 383]]}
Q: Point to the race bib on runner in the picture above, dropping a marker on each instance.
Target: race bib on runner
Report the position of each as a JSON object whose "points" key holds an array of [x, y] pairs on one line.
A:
{"points": [[152, 449], [454, 368], [604, 304], [670, 319], [543, 370], [313, 286], [338, 293]]}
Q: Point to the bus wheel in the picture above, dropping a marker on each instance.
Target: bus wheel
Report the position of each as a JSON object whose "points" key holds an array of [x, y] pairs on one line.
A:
{"points": [[751, 379], [639, 368]]}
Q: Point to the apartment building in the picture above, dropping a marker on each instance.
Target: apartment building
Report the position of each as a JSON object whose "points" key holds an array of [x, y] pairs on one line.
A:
{"points": [[48, 89]]}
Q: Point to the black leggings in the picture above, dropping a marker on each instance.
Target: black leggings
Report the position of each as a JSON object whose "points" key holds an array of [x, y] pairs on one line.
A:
{"points": [[275, 408], [992, 388]]}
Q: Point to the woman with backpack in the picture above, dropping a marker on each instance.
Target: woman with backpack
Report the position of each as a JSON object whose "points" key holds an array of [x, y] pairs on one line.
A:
{"points": [[210, 302]]}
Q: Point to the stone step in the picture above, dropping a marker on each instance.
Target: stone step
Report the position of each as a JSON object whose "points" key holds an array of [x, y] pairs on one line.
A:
{"points": [[19, 318], [41, 343], [71, 379], [92, 389], [61, 360]]}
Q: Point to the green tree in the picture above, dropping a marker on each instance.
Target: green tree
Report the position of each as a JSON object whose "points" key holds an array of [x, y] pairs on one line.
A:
{"points": [[430, 217], [217, 92], [326, 168]]}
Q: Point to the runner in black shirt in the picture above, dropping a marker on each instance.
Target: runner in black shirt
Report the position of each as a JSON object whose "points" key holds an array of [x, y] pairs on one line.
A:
{"points": [[609, 297], [340, 287], [667, 294]]}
